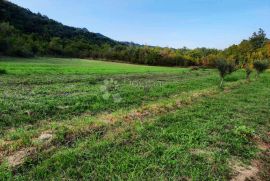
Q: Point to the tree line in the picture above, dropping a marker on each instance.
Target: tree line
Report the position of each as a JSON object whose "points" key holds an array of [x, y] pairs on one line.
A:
{"points": [[15, 43]]}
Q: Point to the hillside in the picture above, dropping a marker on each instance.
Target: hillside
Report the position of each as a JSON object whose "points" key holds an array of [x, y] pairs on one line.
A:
{"points": [[28, 23], [27, 34]]}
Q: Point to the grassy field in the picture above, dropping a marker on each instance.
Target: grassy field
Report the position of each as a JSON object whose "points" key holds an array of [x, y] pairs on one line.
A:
{"points": [[70, 119]]}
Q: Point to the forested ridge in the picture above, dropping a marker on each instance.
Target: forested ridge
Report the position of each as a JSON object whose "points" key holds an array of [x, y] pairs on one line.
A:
{"points": [[26, 34]]}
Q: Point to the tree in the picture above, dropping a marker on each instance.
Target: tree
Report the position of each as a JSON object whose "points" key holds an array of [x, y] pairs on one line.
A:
{"points": [[224, 67], [261, 66], [55, 46], [6, 32], [258, 39]]}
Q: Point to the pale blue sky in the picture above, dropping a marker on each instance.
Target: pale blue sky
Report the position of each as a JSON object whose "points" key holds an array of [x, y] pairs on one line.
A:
{"points": [[173, 23]]}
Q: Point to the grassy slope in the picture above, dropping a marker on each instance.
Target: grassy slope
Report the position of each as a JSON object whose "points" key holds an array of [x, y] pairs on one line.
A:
{"points": [[197, 141]]}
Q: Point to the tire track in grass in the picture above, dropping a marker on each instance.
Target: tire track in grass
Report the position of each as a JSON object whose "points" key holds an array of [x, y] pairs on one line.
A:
{"points": [[66, 134]]}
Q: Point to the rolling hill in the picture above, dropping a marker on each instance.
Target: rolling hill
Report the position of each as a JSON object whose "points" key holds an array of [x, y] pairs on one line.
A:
{"points": [[28, 22]]}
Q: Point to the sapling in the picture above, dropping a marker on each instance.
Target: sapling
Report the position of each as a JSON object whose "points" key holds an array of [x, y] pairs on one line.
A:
{"points": [[224, 67], [249, 70]]}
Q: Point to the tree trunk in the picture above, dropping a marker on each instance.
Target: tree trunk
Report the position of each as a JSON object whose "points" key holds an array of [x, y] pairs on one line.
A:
{"points": [[221, 82], [248, 77], [257, 75]]}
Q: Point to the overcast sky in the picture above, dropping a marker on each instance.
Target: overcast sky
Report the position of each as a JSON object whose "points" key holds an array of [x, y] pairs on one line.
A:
{"points": [[173, 23]]}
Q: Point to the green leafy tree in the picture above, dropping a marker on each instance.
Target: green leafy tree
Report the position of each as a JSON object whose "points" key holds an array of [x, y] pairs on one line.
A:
{"points": [[258, 39], [56, 46], [6, 33]]}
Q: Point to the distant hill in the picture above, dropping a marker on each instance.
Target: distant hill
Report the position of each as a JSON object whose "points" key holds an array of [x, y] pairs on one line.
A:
{"points": [[28, 22]]}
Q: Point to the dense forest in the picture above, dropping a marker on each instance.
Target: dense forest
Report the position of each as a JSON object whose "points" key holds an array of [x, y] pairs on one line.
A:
{"points": [[26, 34]]}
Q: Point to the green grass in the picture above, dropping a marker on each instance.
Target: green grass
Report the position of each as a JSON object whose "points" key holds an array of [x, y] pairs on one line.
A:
{"points": [[53, 96], [192, 130], [60, 66]]}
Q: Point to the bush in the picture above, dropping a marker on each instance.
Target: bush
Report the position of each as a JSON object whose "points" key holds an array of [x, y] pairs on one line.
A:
{"points": [[224, 67], [3, 71], [261, 66]]}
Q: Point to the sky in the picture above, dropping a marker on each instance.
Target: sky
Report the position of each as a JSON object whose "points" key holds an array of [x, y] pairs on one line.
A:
{"points": [[170, 23]]}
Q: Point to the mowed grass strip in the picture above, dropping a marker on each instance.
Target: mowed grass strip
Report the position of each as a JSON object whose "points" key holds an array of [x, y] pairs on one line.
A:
{"points": [[198, 142]]}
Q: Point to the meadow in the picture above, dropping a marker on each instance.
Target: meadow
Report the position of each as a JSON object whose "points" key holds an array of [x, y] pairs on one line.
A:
{"points": [[70, 119]]}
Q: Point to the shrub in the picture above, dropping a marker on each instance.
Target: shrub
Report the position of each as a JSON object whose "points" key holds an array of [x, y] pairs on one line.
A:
{"points": [[3, 71], [224, 67], [261, 66]]}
